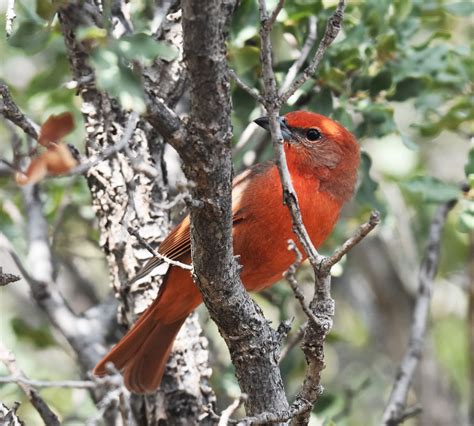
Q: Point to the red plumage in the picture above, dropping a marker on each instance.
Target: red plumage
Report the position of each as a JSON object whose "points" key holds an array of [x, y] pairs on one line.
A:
{"points": [[323, 172]]}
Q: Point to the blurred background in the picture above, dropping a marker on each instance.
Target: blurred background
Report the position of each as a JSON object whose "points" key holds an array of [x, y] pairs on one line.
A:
{"points": [[400, 77]]}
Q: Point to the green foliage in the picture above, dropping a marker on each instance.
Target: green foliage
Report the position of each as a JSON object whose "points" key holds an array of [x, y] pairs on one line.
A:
{"points": [[112, 61], [366, 194], [432, 190], [31, 37], [400, 69], [40, 336]]}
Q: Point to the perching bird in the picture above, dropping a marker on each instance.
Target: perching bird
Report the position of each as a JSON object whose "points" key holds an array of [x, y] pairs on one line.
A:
{"points": [[322, 158]]}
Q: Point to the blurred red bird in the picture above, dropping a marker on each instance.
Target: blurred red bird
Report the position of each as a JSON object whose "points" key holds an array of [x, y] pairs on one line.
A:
{"points": [[322, 158]]}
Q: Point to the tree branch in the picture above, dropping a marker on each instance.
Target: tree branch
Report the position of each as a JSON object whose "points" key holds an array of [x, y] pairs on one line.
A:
{"points": [[295, 68], [395, 410], [110, 151], [10, 110], [67, 384], [208, 165], [332, 30], [8, 416], [10, 18], [6, 278], [39, 276], [254, 93], [48, 416], [322, 305]]}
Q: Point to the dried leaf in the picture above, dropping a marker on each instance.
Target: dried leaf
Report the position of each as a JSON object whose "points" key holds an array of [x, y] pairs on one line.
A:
{"points": [[55, 128], [60, 160], [37, 170], [57, 160]]}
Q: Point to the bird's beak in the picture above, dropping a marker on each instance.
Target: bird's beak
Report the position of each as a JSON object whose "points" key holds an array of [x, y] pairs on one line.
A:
{"points": [[285, 130]]}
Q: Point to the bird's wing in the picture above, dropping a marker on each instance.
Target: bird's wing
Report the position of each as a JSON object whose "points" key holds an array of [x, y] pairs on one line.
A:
{"points": [[177, 245]]}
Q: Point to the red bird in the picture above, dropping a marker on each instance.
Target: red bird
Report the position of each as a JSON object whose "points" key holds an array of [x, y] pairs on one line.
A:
{"points": [[322, 158]]}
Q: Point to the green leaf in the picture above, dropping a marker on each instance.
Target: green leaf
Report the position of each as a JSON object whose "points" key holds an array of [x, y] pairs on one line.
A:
{"points": [[469, 167], [48, 8], [408, 88], [40, 336], [431, 189], [244, 59], [382, 81], [30, 36], [402, 8], [366, 193], [466, 217], [321, 102], [91, 33], [118, 80], [386, 46], [462, 8], [145, 48], [408, 142]]}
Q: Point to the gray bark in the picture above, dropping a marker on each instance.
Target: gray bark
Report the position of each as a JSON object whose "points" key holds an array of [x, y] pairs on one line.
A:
{"points": [[124, 195], [253, 344]]}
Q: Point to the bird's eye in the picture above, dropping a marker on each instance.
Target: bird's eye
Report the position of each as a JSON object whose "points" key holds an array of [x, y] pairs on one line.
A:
{"points": [[313, 134]]}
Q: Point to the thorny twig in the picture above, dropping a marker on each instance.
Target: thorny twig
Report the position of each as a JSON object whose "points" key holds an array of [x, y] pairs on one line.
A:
{"points": [[395, 411], [48, 416]]}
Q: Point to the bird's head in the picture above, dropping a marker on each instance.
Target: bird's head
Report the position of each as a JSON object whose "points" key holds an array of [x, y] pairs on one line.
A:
{"points": [[318, 146]]}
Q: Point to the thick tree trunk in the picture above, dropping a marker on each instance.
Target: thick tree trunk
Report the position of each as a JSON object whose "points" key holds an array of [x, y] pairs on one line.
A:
{"points": [[124, 195]]}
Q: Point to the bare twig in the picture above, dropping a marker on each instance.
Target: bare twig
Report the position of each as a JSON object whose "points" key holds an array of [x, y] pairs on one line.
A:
{"points": [[10, 110], [395, 409], [68, 384], [109, 151], [7, 358], [6, 278], [332, 30], [349, 395], [321, 307], [10, 17], [275, 13], [358, 236], [39, 276], [292, 342], [231, 409], [298, 407], [165, 121], [308, 45], [290, 276], [136, 234], [254, 93]]}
